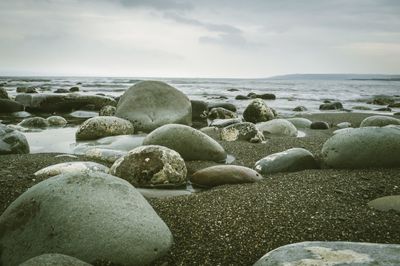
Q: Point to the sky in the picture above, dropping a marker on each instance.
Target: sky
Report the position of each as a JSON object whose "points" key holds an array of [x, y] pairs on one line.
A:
{"points": [[198, 38]]}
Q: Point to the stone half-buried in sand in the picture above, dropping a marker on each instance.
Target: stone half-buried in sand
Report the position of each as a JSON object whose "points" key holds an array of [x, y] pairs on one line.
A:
{"points": [[224, 174], [54, 259], [363, 148], [291, 160], [151, 104], [151, 166], [332, 253], [92, 217], [190, 143]]}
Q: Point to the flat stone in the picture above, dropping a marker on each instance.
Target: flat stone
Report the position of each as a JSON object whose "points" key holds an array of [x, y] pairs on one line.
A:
{"points": [[332, 253], [107, 155], [224, 174], [291, 160]]}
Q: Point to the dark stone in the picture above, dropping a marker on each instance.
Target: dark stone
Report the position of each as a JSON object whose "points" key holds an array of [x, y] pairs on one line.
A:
{"points": [[12, 141], [62, 102], [228, 106], [74, 89], [3, 93], [394, 105], [199, 110], [61, 91], [299, 109], [331, 106], [26, 90], [232, 89], [319, 125], [221, 113], [384, 109], [241, 97], [258, 111], [9, 106], [382, 100], [327, 101]]}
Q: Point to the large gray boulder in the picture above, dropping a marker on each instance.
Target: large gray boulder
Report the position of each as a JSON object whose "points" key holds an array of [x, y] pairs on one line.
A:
{"points": [[224, 174], [45, 102], [103, 126], [151, 104], [12, 141], [151, 166], [278, 127], [92, 217], [190, 143], [54, 259], [379, 121], [363, 148], [291, 160], [257, 111], [34, 122], [333, 253]]}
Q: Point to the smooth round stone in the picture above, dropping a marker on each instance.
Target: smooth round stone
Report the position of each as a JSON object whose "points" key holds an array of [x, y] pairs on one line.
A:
{"points": [[342, 130], [103, 126], [299, 109], [300, 122], [213, 132], [257, 111], [151, 104], [224, 174], [71, 168], [331, 106], [344, 125], [224, 122], [241, 97], [10, 106], [83, 114], [221, 113], [12, 141], [21, 114], [291, 160], [190, 143], [229, 106], [319, 125], [34, 122], [105, 155], [74, 89], [279, 127], [56, 121], [107, 110], [326, 253], [363, 148], [54, 259], [386, 203], [92, 216], [151, 166], [379, 121], [241, 131]]}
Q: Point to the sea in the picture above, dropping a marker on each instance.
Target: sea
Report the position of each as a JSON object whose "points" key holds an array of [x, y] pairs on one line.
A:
{"points": [[290, 93]]}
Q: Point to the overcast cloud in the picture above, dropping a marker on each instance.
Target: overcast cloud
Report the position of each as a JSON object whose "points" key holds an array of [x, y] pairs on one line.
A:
{"points": [[206, 38]]}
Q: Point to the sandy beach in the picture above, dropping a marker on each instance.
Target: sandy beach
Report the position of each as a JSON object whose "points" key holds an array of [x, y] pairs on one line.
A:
{"points": [[237, 224]]}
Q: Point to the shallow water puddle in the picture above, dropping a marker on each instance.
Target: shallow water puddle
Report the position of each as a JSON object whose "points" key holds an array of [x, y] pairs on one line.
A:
{"points": [[61, 140]]}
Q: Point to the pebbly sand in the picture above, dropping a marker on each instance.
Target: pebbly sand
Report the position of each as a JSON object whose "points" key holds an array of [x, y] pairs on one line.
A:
{"points": [[237, 224]]}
